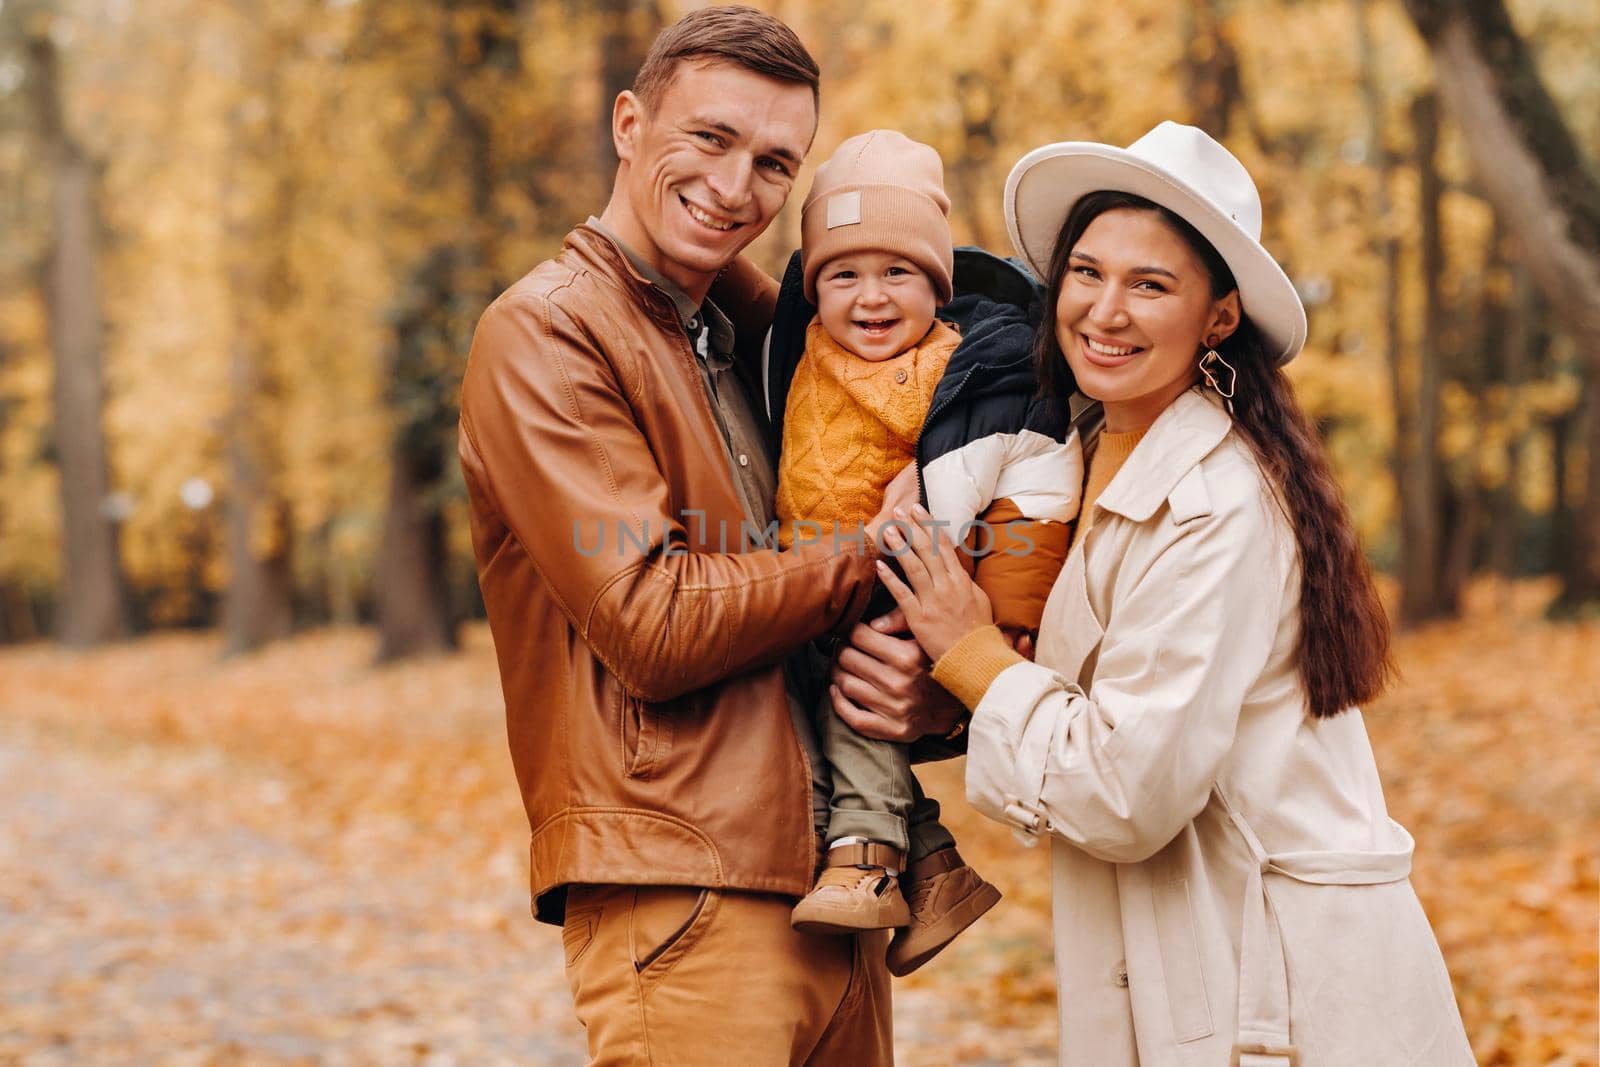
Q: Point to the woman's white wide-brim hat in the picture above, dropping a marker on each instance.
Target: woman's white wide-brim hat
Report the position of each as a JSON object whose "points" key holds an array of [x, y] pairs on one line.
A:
{"points": [[1185, 171]]}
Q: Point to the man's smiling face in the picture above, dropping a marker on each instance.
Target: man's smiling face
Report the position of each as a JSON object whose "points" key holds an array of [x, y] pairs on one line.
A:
{"points": [[706, 170]]}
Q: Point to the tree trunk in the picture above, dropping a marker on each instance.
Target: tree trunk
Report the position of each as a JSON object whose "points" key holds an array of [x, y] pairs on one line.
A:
{"points": [[1530, 168], [412, 592], [258, 606], [1421, 485], [412, 586], [980, 109], [1387, 246], [93, 603], [1212, 66], [626, 29], [1506, 508], [413, 602]]}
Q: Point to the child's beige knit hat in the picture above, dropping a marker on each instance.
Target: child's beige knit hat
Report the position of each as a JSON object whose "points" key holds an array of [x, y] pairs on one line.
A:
{"points": [[881, 191]]}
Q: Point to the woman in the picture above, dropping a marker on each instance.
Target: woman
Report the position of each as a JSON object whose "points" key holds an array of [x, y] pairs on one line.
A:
{"points": [[1228, 886]]}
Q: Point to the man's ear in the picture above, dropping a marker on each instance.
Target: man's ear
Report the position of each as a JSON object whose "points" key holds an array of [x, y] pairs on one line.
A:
{"points": [[627, 119], [1224, 319]]}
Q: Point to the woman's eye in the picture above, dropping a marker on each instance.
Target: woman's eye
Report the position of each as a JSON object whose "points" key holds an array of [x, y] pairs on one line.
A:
{"points": [[1085, 272], [1150, 286]]}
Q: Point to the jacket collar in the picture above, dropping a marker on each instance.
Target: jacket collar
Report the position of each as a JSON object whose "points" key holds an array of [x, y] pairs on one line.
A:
{"points": [[718, 354], [606, 257], [1190, 428]]}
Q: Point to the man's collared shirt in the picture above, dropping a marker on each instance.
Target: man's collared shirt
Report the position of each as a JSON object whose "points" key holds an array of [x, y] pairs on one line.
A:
{"points": [[711, 336]]}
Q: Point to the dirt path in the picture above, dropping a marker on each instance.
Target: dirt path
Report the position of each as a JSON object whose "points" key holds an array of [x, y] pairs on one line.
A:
{"points": [[298, 860], [138, 927]]}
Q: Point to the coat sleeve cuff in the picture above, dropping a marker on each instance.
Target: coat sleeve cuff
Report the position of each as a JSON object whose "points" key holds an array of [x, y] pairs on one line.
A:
{"points": [[974, 662]]}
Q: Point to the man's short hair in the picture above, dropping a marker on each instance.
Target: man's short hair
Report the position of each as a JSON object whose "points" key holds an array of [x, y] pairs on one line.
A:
{"points": [[734, 34]]}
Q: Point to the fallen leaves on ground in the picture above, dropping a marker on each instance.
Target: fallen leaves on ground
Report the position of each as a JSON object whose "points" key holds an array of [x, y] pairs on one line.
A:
{"points": [[299, 858]]}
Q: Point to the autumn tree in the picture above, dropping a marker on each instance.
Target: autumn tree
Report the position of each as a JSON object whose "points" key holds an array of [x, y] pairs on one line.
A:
{"points": [[92, 604], [260, 191], [1529, 164], [474, 57]]}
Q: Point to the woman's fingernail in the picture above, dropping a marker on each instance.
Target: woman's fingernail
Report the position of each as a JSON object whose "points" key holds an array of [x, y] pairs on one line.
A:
{"points": [[900, 513]]}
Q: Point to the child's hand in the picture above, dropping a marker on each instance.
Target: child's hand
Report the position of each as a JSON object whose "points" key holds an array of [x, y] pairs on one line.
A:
{"points": [[1021, 640], [902, 493]]}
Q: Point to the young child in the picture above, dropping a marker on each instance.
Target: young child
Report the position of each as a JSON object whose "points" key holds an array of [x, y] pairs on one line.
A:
{"points": [[880, 377]]}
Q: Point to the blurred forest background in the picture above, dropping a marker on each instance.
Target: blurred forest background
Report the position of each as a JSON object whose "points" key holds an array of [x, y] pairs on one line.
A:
{"points": [[244, 247]]}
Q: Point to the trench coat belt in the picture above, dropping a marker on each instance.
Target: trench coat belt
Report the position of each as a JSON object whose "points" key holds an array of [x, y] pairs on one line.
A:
{"points": [[1263, 1035]]}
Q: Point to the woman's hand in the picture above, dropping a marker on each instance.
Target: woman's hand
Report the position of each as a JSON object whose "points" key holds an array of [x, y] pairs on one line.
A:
{"points": [[941, 602], [883, 686]]}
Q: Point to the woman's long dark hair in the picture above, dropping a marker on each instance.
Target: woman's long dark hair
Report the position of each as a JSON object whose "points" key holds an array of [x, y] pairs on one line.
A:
{"points": [[1344, 634]]}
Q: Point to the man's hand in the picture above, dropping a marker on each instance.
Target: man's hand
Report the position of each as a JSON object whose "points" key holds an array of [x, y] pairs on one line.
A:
{"points": [[883, 686]]}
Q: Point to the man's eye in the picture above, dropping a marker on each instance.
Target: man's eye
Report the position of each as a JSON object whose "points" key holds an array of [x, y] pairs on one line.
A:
{"points": [[775, 166], [708, 136]]}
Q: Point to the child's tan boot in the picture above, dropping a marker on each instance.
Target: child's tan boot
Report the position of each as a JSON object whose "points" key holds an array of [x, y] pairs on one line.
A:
{"points": [[858, 890], [947, 896]]}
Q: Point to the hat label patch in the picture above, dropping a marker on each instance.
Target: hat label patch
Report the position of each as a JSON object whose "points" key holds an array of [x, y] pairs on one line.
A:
{"points": [[844, 209]]}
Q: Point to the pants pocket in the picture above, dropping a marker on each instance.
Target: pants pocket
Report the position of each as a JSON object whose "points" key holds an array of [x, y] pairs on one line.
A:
{"points": [[579, 926], [661, 932], [1180, 961]]}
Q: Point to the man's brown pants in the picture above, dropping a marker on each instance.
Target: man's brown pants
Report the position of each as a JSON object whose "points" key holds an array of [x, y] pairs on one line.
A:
{"points": [[678, 977]]}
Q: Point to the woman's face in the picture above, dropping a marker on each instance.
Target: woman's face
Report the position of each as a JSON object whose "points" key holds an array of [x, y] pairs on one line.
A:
{"points": [[1134, 313]]}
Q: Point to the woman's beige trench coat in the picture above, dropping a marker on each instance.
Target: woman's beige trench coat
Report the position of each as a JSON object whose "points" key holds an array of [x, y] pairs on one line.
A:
{"points": [[1228, 885]]}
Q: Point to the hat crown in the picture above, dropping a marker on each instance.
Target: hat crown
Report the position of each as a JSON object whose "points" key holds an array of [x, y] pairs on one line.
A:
{"points": [[882, 157], [1209, 169], [882, 191]]}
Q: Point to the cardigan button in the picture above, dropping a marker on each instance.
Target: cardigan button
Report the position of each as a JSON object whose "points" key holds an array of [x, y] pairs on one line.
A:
{"points": [[1119, 975], [900, 376]]}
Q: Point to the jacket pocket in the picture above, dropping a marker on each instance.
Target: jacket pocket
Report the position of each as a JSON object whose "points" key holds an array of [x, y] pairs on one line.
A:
{"points": [[646, 737], [1180, 961]]}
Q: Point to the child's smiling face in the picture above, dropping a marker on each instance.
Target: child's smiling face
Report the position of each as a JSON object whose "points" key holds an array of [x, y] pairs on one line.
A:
{"points": [[875, 304]]}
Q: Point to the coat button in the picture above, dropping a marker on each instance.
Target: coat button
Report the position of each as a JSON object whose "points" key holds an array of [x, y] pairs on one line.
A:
{"points": [[900, 376], [744, 460], [1119, 975]]}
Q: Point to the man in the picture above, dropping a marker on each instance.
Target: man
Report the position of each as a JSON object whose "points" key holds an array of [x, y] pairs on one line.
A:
{"points": [[613, 462]]}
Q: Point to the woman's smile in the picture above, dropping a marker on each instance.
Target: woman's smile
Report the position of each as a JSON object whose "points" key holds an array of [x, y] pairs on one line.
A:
{"points": [[1103, 352]]}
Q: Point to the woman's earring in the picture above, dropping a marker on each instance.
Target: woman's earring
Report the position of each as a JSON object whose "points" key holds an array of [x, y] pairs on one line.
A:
{"points": [[1212, 365]]}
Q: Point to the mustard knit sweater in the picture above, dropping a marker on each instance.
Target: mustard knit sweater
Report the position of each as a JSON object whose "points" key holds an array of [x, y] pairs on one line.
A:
{"points": [[850, 425]]}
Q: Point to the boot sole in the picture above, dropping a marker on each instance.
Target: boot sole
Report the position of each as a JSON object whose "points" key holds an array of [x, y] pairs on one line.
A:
{"points": [[816, 921], [935, 936]]}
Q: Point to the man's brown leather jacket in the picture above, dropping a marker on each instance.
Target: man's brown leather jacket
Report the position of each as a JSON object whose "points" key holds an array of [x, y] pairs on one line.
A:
{"points": [[639, 643]]}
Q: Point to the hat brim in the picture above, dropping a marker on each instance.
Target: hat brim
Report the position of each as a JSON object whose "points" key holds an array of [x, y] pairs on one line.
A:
{"points": [[1046, 182]]}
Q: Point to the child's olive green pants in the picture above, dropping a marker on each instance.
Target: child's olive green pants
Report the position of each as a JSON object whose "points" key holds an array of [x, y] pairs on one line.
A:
{"points": [[860, 787]]}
